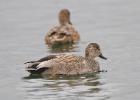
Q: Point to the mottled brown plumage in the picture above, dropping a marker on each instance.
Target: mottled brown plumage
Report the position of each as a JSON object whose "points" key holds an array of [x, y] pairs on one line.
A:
{"points": [[69, 64], [63, 33]]}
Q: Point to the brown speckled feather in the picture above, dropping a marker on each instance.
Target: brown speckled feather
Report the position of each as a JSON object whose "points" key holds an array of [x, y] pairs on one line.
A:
{"points": [[70, 64]]}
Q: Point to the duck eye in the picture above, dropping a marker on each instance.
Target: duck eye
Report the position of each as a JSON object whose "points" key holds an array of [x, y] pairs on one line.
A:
{"points": [[97, 47]]}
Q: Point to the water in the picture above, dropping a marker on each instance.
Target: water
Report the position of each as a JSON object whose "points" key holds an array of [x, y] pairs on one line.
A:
{"points": [[112, 24]]}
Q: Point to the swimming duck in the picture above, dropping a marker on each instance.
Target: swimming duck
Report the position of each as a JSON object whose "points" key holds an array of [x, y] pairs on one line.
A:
{"points": [[68, 64], [65, 32]]}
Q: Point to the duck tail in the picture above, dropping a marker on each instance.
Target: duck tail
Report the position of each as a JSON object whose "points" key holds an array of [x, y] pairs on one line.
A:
{"points": [[32, 68]]}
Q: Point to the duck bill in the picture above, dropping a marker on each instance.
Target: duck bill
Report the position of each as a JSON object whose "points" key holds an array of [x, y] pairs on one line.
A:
{"points": [[103, 57]]}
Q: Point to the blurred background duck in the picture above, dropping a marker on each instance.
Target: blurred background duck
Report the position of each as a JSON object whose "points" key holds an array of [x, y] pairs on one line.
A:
{"points": [[63, 33], [68, 64]]}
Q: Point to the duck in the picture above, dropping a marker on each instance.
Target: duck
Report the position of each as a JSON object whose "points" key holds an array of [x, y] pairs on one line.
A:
{"points": [[68, 64], [64, 32]]}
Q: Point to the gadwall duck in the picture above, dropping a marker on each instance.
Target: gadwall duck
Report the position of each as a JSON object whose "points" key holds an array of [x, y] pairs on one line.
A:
{"points": [[68, 64], [63, 33]]}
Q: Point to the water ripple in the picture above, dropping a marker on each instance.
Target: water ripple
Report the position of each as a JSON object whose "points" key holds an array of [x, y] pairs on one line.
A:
{"points": [[71, 88]]}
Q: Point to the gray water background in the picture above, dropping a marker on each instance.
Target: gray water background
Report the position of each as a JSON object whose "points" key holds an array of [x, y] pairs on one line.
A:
{"points": [[114, 24]]}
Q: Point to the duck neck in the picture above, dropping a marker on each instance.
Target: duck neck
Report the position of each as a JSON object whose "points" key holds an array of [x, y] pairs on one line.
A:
{"points": [[90, 60], [64, 24]]}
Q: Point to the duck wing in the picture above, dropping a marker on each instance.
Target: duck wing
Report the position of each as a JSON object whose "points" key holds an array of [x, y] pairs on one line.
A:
{"points": [[42, 59], [64, 64], [47, 58]]}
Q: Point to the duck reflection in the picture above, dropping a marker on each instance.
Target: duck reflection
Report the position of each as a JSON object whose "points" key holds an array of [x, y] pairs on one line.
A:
{"points": [[62, 47], [71, 87]]}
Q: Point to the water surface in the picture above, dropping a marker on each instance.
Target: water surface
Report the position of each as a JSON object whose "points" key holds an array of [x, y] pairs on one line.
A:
{"points": [[114, 24]]}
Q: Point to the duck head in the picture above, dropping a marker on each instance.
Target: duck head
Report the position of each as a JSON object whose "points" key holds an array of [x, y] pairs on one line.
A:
{"points": [[64, 17], [93, 50]]}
